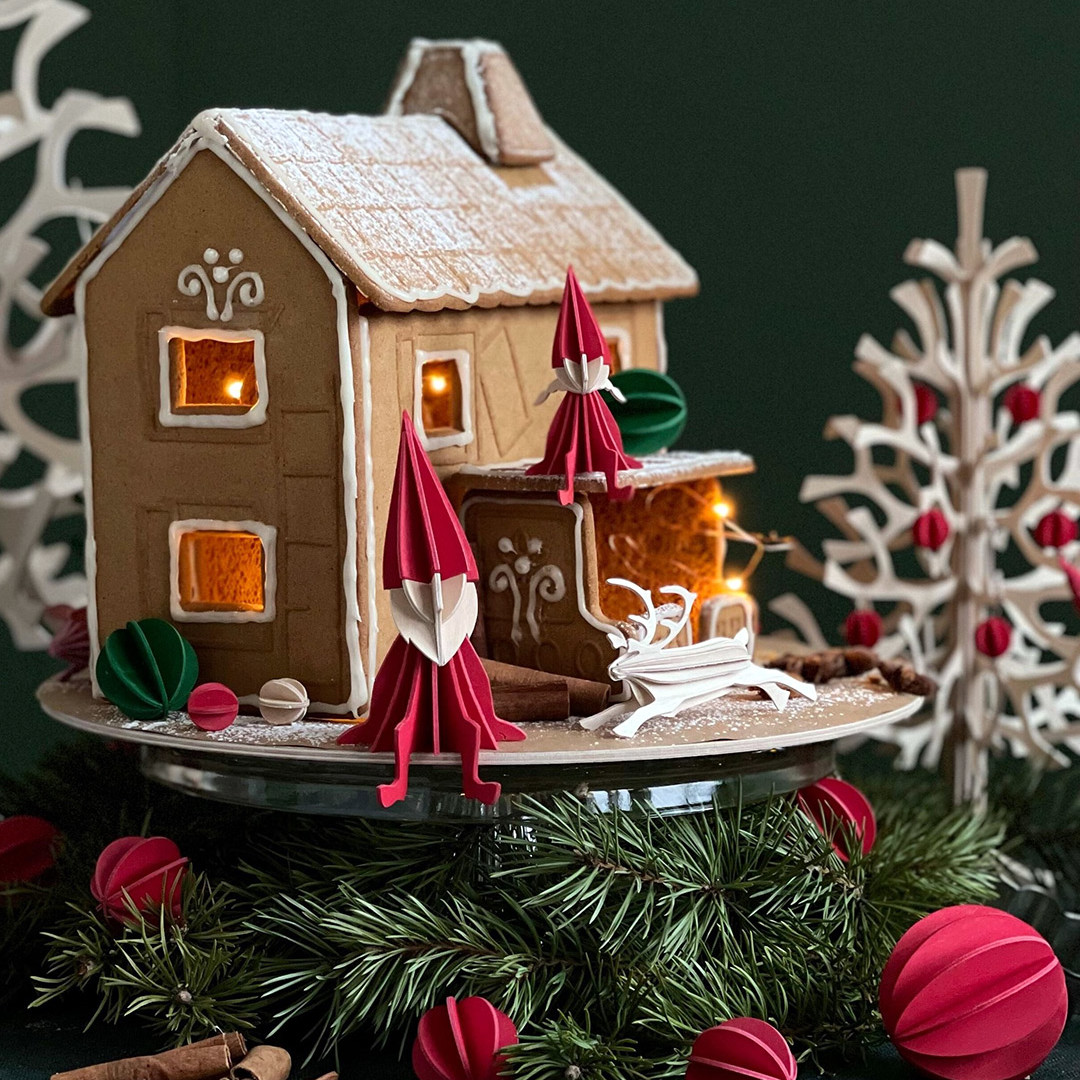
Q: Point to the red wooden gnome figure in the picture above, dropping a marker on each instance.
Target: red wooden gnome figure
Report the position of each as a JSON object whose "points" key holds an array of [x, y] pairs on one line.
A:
{"points": [[431, 694], [583, 436]]}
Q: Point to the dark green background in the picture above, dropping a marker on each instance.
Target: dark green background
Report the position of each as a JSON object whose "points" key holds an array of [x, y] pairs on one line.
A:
{"points": [[788, 150]]}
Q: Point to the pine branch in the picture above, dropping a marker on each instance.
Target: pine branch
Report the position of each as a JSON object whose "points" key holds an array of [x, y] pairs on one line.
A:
{"points": [[185, 979], [352, 963], [563, 1049]]}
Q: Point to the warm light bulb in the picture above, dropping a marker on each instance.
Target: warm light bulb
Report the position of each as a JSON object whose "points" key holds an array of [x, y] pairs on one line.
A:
{"points": [[735, 584], [722, 509], [437, 384], [234, 388]]}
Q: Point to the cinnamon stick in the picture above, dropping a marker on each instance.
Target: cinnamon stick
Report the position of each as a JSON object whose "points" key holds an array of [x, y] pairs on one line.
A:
{"points": [[829, 664], [209, 1059], [587, 697], [264, 1063], [520, 693]]}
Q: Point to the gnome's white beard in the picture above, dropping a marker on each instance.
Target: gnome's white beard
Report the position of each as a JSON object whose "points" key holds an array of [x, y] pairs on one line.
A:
{"points": [[435, 616], [582, 377]]}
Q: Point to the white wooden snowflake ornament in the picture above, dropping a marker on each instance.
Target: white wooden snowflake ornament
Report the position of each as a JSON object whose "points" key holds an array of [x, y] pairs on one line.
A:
{"points": [[32, 573]]}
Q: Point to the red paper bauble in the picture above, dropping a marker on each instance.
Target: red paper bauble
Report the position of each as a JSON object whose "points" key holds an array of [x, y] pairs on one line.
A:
{"points": [[926, 403], [71, 641], [147, 871], [1022, 402], [993, 635], [1054, 530], [212, 706], [973, 993], [931, 529], [835, 806], [863, 628], [27, 846], [741, 1049], [461, 1040]]}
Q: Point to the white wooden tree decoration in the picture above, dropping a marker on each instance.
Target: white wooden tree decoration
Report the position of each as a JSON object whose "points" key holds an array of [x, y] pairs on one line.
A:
{"points": [[664, 678], [973, 474], [32, 573]]}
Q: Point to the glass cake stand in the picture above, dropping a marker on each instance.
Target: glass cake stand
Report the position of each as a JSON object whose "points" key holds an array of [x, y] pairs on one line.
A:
{"points": [[738, 745]]}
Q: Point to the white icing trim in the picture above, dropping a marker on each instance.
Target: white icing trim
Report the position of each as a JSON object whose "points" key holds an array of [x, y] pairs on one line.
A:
{"points": [[369, 498], [471, 54], [625, 342], [579, 548], [661, 339], [252, 418], [174, 165], [463, 362], [266, 533]]}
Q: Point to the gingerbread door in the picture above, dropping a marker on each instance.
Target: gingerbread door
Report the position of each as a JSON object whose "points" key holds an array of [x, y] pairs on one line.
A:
{"points": [[538, 582]]}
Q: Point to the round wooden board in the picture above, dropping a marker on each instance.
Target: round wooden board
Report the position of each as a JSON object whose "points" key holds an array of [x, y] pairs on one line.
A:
{"points": [[736, 748], [738, 723]]}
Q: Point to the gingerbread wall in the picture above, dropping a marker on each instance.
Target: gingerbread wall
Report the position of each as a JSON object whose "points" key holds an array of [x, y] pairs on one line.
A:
{"points": [[509, 352], [285, 472]]}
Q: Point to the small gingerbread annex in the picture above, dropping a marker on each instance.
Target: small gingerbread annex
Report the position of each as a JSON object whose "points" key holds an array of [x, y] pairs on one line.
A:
{"points": [[266, 303]]}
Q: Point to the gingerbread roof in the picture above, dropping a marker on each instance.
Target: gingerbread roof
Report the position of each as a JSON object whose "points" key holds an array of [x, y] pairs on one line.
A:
{"points": [[415, 217]]}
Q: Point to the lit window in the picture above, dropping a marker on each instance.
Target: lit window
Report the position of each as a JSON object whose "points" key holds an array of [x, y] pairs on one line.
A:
{"points": [[222, 571], [212, 378], [440, 398], [618, 342], [442, 409]]}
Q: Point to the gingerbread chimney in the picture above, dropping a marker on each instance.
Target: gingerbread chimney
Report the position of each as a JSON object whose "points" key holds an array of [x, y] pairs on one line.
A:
{"points": [[474, 87]]}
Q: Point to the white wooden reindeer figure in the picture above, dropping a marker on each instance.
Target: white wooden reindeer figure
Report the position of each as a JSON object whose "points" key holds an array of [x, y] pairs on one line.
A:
{"points": [[663, 679]]}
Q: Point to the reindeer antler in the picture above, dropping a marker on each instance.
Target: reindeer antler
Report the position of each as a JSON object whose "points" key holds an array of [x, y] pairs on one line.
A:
{"points": [[651, 621]]}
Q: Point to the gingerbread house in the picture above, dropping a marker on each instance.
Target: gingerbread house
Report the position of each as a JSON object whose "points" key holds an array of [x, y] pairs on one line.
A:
{"points": [[261, 309]]}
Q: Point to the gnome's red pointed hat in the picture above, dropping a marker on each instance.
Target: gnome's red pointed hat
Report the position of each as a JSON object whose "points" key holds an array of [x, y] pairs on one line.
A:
{"points": [[423, 537], [583, 436]]}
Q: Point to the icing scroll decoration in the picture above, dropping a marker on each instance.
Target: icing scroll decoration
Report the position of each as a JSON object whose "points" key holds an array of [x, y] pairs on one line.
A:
{"points": [[546, 584], [243, 285]]}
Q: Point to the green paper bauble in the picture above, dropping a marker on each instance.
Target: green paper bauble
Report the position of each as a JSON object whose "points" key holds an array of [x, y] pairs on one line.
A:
{"points": [[147, 669], [654, 414]]}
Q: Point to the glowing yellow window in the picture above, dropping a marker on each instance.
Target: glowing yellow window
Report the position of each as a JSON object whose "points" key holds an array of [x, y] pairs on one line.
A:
{"points": [[441, 405], [222, 574], [212, 378]]}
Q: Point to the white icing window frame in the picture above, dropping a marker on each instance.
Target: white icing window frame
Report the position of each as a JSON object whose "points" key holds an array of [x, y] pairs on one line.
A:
{"points": [[266, 533], [625, 342], [463, 361], [255, 416]]}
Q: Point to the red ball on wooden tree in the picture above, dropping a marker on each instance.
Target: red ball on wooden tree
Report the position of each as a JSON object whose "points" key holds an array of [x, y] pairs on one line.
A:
{"points": [[1054, 530], [837, 808], [27, 848], [926, 403], [993, 635], [461, 1040], [973, 993], [931, 529], [1022, 402], [862, 628], [144, 872], [741, 1048], [212, 706]]}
